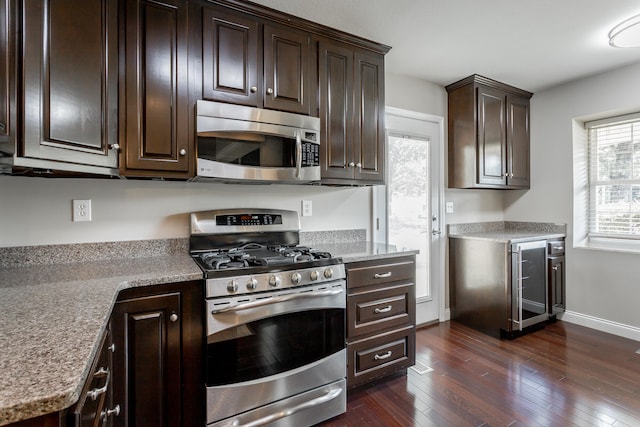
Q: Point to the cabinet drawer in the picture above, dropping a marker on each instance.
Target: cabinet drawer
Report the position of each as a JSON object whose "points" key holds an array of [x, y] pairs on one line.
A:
{"points": [[380, 308], [372, 273], [380, 355]]}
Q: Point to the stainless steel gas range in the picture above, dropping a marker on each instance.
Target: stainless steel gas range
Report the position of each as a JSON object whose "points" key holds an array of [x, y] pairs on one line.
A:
{"points": [[275, 333]]}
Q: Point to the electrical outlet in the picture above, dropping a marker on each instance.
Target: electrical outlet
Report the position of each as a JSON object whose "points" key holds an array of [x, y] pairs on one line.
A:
{"points": [[449, 207], [81, 210], [307, 208]]}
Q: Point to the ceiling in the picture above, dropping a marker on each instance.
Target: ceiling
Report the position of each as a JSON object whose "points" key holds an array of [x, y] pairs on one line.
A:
{"points": [[531, 44]]}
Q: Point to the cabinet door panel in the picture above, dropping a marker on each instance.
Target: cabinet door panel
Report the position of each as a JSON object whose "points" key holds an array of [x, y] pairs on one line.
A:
{"points": [[148, 370], [518, 141], [230, 58], [369, 121], [287, 69], [156, 88], [336, 94], [492, 154], [557, 293], [70, 105], [6, 62]]}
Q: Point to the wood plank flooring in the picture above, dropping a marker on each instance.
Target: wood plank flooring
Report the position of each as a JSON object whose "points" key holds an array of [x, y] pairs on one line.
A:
{"points": [[562, 375]]}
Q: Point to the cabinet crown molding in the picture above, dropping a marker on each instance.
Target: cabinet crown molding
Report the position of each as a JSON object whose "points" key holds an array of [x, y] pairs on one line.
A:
{"points": [[485, 81]]}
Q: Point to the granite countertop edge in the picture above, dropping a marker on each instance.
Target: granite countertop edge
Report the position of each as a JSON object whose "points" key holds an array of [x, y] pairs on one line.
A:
{"points": [[508, 237], [37, 388]]}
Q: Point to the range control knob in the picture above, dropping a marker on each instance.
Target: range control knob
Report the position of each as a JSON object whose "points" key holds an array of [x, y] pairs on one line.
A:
{"points": [[252, 284], [296, 278], [328, 273], [274, 281], [314, 274], [232, 286]]}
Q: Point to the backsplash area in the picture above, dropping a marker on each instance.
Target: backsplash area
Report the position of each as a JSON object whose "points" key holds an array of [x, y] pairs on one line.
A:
{"points": [[22, 256]]}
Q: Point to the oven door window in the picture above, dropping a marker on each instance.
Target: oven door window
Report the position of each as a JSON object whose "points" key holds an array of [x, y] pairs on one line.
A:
{"points": [[273, 345]]}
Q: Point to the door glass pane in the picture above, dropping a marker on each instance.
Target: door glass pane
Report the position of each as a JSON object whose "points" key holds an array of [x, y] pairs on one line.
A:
{"points": [[409, 225]]}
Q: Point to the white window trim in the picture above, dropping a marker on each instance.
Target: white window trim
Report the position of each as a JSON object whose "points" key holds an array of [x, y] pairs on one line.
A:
{"points": [[581, 189]]}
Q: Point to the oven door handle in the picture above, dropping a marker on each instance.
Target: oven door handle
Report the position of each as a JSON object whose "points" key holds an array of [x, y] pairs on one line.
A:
{"points": [[331, 394], [274, 300], [298, 154]]}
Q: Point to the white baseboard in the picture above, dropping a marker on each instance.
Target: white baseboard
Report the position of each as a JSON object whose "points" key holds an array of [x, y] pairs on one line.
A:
{"points": [[603, 325]]}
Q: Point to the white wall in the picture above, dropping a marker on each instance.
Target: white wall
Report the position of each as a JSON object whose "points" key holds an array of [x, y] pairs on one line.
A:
{"points": [[425, 97], [37, 211], [602, 287]]}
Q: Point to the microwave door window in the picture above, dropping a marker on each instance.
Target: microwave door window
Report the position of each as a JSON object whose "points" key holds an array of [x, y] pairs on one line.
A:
{"points": [[248, 150]]}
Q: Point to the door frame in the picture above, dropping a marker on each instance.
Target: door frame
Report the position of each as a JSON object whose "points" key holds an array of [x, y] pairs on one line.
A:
{"points": [[379, 198]]}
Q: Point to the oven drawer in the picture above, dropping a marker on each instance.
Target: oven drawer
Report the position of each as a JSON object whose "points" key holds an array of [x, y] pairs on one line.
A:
{"points": [[380, 355], [371, 310], [380, 271]]}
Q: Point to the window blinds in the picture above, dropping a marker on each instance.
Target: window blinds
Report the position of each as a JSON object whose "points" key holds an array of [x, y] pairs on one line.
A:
{"points": [[614, 177]]}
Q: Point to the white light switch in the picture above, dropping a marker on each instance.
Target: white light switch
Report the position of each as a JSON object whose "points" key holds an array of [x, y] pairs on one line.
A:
{"points": [[307, 208], [449, 207]]}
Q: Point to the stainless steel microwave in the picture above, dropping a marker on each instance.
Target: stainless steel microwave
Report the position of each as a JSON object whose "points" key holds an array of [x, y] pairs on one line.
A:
{"points": [[237, 143]]}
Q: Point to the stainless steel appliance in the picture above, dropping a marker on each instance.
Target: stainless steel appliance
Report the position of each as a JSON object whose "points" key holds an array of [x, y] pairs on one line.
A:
{"points": [[240, 143], [275, 333], [498, 287]]}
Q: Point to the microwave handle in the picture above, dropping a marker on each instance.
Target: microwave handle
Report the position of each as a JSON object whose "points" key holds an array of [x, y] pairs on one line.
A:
{"points": [[298, 154]]}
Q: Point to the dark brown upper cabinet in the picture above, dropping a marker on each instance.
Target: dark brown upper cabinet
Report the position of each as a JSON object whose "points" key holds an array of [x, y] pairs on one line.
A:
{"points": [[156, 115], [249, 61], [351, 99], [69, 63], [488, 134]]}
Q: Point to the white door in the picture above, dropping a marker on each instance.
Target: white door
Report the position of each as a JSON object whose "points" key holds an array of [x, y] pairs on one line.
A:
{"points": [[412, 202]]}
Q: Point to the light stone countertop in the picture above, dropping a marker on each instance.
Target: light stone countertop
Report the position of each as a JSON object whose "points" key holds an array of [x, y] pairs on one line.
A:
{"points": [[363, 251], [53, 317], [507, 231]]}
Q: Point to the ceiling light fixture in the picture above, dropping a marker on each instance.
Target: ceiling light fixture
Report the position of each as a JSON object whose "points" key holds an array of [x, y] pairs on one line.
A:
{"points": [[626, 33]]}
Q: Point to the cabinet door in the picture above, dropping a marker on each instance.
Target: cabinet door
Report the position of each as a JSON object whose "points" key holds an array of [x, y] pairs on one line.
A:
{"points": [[557, 291], [287, 70], [147, 371], [70, 71], [518, 141], [369, 140], [231, 67], [155, 109], [7, 62], [491, 149], [335, 72]]}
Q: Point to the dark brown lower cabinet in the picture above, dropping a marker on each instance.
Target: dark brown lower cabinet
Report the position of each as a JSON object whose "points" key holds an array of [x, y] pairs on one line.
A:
{"points": [[158, 370], [380, 318], [96, 407]]}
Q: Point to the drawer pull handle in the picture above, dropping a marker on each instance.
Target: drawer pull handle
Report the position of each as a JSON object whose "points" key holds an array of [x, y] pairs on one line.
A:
{"points": [[382, 310], [100, 373], [383, 356], [93, 394], [382, 275]]}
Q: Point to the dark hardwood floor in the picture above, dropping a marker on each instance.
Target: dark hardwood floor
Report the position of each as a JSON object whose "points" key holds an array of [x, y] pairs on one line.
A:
{"points": [[562, 375]]}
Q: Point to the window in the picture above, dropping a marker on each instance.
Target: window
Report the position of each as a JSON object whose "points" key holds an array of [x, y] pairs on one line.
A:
{"points": [[614, 177]]}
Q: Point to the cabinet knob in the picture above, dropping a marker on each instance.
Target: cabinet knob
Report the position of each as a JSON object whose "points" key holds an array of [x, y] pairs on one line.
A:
{"points": [[114, 147], [183, 152], [351, 164], [555, 267], [173, 317], [109, 412], [359, 165], [269, 91], [253, 89], [506, 174]]}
